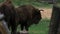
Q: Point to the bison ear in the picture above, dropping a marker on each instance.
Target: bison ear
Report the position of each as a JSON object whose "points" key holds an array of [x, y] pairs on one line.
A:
{"points": [[41, 10]]}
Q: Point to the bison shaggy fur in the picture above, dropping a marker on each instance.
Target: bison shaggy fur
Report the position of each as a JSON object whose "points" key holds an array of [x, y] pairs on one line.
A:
{"points": [[27, 15], [8, 10]]}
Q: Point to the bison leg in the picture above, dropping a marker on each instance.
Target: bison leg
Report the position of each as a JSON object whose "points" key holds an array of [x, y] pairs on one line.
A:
{"points": [[26, 27], [9, 26], [22, 26], [14, 29]]}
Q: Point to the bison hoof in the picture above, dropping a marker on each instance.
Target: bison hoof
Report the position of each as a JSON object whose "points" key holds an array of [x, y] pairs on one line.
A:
{"points": [[23, 32]]}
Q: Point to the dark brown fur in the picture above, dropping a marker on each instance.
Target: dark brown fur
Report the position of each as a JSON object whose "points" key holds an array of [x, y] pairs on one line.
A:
{"points": [[25, 15], [28, 15], [8, 10]]}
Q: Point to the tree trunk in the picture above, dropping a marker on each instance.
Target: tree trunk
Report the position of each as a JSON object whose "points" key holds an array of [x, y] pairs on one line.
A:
{"points": [[54, 23]]}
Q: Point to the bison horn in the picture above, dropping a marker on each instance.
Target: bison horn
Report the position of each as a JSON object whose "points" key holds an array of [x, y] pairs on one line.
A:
{"points": [[41, 10]]}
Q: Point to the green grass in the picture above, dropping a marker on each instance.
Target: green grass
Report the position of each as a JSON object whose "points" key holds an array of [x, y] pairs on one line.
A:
{"points": [[1, 1], [41, 28], [32, 2]]}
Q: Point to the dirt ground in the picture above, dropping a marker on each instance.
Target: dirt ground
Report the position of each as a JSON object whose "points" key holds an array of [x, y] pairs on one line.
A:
{"points": [[46, 13]]}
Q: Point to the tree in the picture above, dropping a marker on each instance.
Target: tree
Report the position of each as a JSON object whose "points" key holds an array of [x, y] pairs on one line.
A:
{"points": [[55, 21]]}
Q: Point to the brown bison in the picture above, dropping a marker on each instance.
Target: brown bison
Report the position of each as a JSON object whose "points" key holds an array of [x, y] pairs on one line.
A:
{"points": [[24, 15], [27, 15], [8, 10]]}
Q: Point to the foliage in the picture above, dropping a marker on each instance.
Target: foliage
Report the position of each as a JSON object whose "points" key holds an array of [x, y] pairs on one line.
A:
{"points": [[31, 2], [1, 1]]}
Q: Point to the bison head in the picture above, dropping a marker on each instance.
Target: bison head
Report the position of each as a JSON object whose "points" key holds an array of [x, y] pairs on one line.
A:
{"points": [[37, 16]]}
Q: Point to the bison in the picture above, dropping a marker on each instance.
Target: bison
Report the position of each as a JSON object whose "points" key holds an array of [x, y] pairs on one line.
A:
{"points": [[24, 15], [8, 10], [27, 15]]}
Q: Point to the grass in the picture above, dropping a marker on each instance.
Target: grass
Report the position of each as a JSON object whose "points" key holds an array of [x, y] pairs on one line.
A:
{"points": [[32, 2], [41, 28], [1, 1]]}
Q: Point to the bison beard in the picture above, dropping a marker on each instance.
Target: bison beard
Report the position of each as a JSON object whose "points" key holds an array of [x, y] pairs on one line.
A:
{"points": [[28, 15], [8, 10]]}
